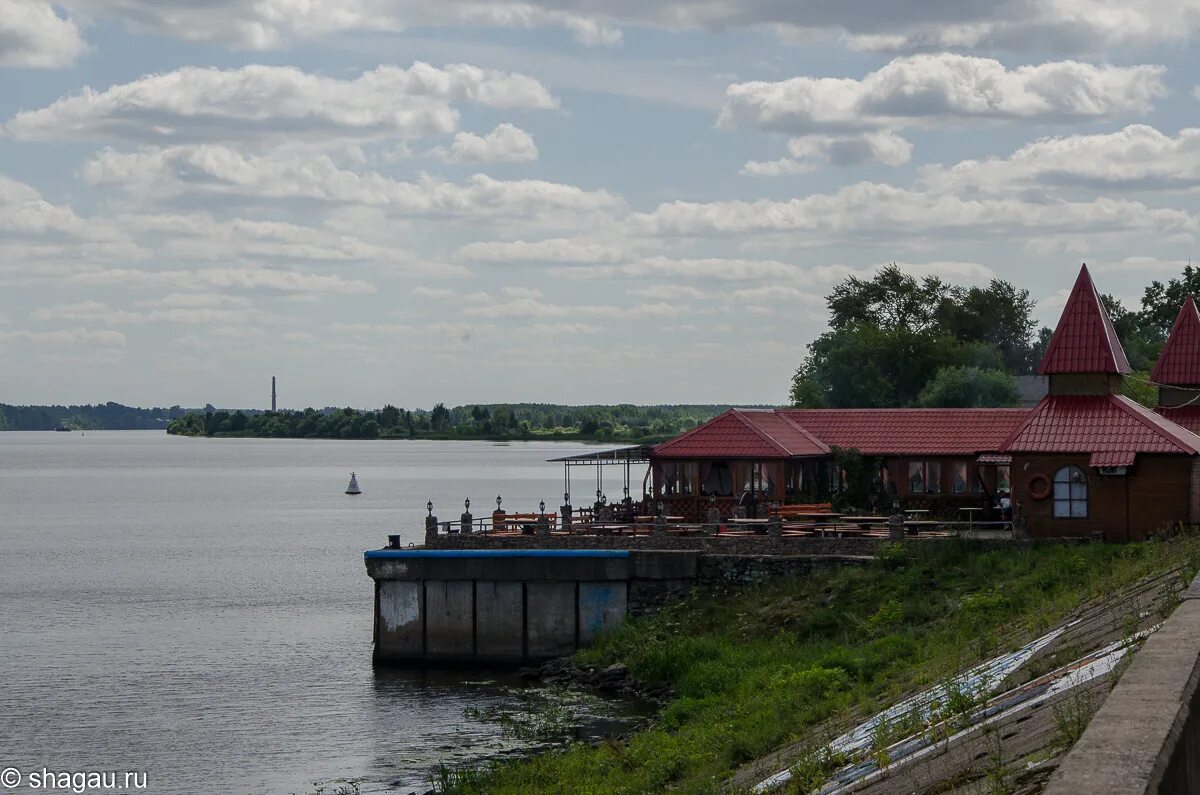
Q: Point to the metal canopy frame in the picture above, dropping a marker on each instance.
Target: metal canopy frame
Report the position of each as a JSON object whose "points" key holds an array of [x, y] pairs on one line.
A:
{"points": [[623, 457]]}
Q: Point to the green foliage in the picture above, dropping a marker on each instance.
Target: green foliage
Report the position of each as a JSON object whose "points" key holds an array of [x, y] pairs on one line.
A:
{"points": [[970, 387], [773, 665], [863, 367], [1161, 302], [1138, 387], [112, 416], [497, 421]]}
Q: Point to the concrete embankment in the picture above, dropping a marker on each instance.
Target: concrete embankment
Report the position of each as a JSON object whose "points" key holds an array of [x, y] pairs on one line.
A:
{"points": [[1146, 737], [511, 606]]}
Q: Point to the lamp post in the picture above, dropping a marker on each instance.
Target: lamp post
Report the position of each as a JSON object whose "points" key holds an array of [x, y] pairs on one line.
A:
{"points": [[542, 506], [429, 507], [498, 501]]}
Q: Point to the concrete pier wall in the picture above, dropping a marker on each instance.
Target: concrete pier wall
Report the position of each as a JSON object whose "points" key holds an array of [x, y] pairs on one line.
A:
{"points": [[512, 606], [504, 606]]}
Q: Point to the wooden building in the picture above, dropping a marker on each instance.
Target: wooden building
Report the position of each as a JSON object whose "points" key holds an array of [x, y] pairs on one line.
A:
{"points": [[1089, 461], [1086, 461]]}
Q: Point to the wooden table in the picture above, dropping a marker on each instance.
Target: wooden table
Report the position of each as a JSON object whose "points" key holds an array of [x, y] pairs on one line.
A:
{"points": [[865, 521]]}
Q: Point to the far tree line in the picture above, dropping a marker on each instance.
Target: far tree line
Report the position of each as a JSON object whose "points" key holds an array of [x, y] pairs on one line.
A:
{"points": [[895, 340], [624, 423]]}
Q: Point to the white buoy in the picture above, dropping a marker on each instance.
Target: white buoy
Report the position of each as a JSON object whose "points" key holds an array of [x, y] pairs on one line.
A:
{"points": [[353, 487]]}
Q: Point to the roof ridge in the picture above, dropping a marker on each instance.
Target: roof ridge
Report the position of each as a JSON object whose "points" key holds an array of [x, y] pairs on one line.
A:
{"points": [[807, 434], [686, 434], [768, 437], [1154, 422]]}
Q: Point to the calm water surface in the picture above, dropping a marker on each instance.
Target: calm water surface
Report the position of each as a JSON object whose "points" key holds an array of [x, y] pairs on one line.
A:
{"points": [[198, 609]]}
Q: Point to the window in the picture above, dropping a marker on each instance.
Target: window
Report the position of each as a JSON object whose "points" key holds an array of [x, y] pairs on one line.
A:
{"points": [[1002, 479], [916, 477], [718, 480], [759, 481], [959, 475], [1070, 493], [885, 476], [678, 478], [924, 477]]}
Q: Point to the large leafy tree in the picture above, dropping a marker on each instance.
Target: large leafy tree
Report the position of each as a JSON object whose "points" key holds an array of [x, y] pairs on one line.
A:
{"points": [[1161, 302], [969, 387]]}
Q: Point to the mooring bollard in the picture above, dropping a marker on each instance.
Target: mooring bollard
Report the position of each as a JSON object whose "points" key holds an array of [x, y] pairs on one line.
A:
{"points": [[394, 541]]}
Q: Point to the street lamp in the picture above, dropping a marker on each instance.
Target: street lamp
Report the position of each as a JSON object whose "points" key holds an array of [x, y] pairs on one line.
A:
{"points": [[429, 507], [467, 503], [542, 506], [498, 502]]}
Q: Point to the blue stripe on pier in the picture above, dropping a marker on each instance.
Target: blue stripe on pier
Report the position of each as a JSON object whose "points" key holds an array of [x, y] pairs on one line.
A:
{"points": [[376, 554]]}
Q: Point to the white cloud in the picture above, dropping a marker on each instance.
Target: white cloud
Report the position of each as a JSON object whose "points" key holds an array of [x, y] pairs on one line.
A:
{"points": [[78, 336], [96, 311], [811, 152], [872, 210], [924, 89], [219, 169], [268, 24], [279, 102], [1138, 157], [1021, 25], [226, 278], [505, 144], [33, 35], [550, 250]]}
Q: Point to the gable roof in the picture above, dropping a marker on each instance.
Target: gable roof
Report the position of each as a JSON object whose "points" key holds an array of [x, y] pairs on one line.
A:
{"points": [[1084, 340], [1179, 361], [911, 431], [788, 433], [742, 434], [1112, 428]]}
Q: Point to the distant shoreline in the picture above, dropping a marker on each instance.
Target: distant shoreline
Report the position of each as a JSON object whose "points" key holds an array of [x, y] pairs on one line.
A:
{"points": [[441, 437]]}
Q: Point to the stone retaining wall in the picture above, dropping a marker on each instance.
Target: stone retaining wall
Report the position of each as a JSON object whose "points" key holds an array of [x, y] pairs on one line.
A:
{"points": [[1146, 737]]}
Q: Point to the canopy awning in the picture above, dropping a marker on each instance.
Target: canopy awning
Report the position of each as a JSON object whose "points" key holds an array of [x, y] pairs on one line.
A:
{"points": [[634, 454]]}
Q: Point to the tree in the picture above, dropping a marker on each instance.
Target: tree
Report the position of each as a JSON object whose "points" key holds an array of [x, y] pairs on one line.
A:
{"points": [[868, 367], [999, 314], [1161, 302], [891, 300], [969, 387], [1141, 343], [439, 418], [389, 417]]}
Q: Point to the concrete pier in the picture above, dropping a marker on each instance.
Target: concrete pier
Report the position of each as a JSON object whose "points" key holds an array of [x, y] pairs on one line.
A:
{"points": [[512, 606]]}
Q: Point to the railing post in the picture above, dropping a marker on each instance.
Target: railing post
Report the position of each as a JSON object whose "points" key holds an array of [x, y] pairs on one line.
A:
{"points": [[431, 529], [775, 527], [896, 523]]}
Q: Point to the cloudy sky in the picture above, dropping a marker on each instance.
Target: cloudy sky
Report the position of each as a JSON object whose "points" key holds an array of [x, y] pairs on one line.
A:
{"points": [[555, 200]]}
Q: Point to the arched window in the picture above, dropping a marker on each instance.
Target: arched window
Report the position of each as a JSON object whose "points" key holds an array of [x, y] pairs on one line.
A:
{"points": [[1070, 494]]}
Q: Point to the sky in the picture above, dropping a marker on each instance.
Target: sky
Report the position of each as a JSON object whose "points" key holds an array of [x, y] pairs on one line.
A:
{"points": [[566, 201]]}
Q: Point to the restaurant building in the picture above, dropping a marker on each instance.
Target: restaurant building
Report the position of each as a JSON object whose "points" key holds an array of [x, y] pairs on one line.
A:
{"points": [[1086, 461]]}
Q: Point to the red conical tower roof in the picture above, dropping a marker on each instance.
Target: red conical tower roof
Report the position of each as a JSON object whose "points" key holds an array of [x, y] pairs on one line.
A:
{"points": [[1179, 362], [1084, 341]]}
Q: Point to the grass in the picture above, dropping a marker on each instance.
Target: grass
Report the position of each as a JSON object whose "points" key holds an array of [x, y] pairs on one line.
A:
{"points": [[754, 670]]}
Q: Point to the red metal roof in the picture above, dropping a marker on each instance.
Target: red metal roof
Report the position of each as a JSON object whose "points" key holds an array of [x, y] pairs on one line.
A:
{"points": [[786, 433], [1179, 362], [1183, 416], [1112, 458], [1084, 341], [1099, 424], [911, 431], [742, 434]]}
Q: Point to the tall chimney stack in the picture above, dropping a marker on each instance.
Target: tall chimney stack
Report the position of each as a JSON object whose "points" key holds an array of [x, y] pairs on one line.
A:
{"points": [[272, 393]]}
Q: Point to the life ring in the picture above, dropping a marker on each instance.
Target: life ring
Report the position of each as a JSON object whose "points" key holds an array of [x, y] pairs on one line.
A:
{"points": [[1038, 487]]}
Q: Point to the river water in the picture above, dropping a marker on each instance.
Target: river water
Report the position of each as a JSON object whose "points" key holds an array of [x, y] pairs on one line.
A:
{"points": [[198, 609]]}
